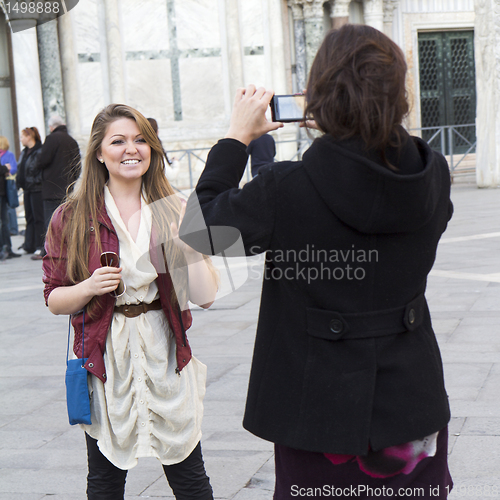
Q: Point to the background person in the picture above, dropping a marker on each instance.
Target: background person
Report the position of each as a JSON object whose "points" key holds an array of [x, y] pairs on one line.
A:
{"points": [[5, 170], [147, 389], [7, 156], [262, 152], [346, 378], [59, 162], [172, 166], [154, 124], [29, 178]]}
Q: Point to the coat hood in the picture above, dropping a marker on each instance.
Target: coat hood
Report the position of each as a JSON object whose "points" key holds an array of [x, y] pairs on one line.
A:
{"points": [[370, 197]]}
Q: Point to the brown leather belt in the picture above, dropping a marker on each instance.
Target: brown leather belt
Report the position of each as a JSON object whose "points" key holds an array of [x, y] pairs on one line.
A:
{"points": [[134, 310]]}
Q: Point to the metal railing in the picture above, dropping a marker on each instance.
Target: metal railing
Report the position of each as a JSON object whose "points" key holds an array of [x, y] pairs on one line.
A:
{"points": [[444, 138], [193, 161]]}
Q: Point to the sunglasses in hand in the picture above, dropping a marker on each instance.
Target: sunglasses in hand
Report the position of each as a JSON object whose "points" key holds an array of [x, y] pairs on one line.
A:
{"points": [[110, 259]]}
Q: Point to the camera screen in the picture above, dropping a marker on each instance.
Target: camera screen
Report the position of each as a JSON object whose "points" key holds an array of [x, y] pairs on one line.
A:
{"points": [[288, 108]]}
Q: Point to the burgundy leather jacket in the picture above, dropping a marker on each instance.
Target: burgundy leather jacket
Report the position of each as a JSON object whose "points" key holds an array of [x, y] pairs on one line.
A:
{"points": [[96, 329]]}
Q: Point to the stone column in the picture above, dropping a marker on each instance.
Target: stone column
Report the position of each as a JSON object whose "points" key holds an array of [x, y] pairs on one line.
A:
{"points": [[234, 47], [389, 7], [115, 52], [487, 51], [50, 70], [313, 23], [308, 34], [339, 12], [300, 44], [69, 75], [274, 50], [13, 99], [374, 13], [27, 75]]}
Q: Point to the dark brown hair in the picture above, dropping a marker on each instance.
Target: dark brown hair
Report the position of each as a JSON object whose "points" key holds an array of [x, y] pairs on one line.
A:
{"points": [[357, 87], [33, 133]]}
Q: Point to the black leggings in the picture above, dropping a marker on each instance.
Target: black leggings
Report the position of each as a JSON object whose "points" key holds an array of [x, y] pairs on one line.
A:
{"points": [[188, 479]]}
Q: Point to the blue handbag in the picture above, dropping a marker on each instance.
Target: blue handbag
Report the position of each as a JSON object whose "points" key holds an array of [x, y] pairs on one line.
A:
{"points": [[77, 390], [11, 192]]}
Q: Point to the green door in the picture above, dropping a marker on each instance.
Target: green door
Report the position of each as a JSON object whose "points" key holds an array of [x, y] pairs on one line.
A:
{"points": [[448, 86]]}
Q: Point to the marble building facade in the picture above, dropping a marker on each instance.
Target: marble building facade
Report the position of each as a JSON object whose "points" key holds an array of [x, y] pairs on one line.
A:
{"points": [[181, 62]]}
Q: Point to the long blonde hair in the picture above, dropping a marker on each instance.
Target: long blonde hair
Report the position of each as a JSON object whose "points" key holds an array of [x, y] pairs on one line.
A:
{"points": [[88, 196]]}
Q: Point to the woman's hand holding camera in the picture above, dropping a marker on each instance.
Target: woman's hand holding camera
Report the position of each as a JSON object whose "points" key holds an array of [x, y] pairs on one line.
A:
{"points": [[248, 119]]}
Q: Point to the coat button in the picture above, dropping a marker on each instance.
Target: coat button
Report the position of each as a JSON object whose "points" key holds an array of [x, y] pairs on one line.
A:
{"points": [[336, 326], [411, 316]]}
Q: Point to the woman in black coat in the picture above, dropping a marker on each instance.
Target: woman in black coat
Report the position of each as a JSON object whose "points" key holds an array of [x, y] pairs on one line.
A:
{"points": [[29, 178], [347, 378]]}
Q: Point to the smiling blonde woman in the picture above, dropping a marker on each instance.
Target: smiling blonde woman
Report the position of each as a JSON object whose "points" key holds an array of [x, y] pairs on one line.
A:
{"points": [[146, 388]]}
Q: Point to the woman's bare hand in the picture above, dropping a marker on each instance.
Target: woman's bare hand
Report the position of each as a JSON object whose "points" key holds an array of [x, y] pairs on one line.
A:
{"points": [[248, 119], [104, 280]]}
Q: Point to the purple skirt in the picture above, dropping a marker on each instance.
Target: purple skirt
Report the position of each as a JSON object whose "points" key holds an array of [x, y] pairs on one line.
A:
{"points": [[303, 474]]}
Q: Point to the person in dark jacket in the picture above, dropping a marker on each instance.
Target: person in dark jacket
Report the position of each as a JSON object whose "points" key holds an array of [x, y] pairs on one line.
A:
{"points": [[7, 167], [7, 156], [59, 162], [262, 152], [29, 178], [347, 378]]}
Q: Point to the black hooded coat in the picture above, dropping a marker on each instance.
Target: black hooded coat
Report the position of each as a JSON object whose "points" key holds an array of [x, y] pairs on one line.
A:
{"points": [[345, 356]]}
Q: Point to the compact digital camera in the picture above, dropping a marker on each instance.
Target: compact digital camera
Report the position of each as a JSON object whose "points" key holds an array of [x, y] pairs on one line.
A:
{"points": [[288, 108]]}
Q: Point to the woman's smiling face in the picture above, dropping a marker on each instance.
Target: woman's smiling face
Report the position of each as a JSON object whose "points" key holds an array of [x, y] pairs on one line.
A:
{"points": [[124, 151]]}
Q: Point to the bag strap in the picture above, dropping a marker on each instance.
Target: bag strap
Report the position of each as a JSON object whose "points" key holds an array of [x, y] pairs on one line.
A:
{"points": [[184, 339], [83, 336], [69, 334]]}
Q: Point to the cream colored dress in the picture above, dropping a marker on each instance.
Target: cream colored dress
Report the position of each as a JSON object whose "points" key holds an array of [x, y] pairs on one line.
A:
{"points": [[144, 409]]}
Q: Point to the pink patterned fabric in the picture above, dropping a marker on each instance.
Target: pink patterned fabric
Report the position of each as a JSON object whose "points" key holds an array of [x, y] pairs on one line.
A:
{"points": [[400, 459]]}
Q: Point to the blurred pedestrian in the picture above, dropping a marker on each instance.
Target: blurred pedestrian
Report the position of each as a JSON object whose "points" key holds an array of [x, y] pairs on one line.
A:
{"points": [[5, 170], [172, 166], [7, 156], [29, 178], [154, 125], [59, 162], [262, 152]]}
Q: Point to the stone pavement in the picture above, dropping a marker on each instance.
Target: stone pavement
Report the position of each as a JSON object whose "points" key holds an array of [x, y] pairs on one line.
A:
{"points": [[41, 456]]}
